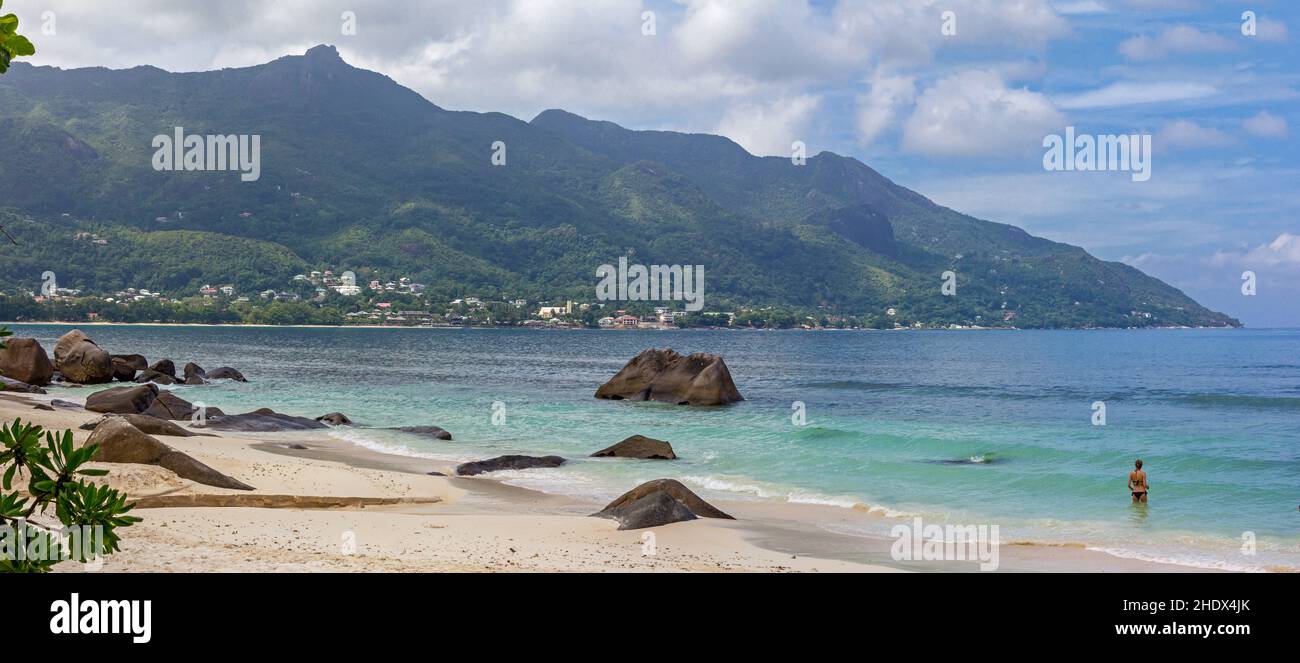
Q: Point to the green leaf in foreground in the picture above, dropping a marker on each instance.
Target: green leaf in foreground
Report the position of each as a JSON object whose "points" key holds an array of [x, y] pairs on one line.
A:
{"points": [[58, 477], [12, 44]]}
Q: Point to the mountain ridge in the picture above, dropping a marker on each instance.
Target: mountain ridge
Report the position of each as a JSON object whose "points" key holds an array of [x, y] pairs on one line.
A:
{"points": [[362, 173]]}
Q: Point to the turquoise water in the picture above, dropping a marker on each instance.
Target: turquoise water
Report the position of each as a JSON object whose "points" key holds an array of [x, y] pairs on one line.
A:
{"points": [[966, 427]]}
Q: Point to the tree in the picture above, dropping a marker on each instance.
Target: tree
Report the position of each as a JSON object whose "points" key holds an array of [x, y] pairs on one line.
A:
{"points": [[56, 478], [12, 44]]}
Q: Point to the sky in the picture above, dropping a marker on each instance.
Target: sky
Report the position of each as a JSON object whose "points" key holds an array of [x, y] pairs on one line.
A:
{"points": [[952, 98]]}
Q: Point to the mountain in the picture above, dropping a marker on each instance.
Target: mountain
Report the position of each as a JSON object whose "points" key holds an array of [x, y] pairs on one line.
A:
{"points": [[359, 173]]}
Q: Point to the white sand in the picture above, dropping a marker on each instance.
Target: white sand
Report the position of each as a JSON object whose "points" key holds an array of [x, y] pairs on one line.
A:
{"points": [[487, 528]]}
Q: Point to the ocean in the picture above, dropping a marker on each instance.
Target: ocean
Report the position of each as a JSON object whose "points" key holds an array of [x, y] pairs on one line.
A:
{"points": [[958, 427]]}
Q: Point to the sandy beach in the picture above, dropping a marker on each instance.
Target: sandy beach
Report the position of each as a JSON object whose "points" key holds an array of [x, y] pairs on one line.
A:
{"points": [[449, 524], [334, 506]]}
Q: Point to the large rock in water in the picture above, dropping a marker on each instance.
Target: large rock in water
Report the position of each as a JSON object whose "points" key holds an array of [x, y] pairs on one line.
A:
{"points": [[123, 400], [79, 360], [652, 510], [263, 420], [435, 432], [194, 374], [226, 373], [335, 419], [24, 360], [166, 367], [122, 371], [136, 362], [665, 376], [120, 442], [674, 489], [126, 366], [639, 446], [157, 377], [507, 463]]}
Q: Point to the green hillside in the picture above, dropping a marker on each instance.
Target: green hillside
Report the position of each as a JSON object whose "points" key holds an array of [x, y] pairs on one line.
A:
{"points": [[360, 173]]}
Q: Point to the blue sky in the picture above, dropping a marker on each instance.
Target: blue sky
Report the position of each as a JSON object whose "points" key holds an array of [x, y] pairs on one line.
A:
{"points": [[959, 117]]}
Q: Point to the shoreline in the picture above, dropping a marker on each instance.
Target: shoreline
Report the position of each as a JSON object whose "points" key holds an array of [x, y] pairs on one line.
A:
{"points": [[618, 329], [468, 524], [447, 524]]}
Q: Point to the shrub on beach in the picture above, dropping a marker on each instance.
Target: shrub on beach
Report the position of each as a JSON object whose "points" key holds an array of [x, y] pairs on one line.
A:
{"points": [[56, 477]]}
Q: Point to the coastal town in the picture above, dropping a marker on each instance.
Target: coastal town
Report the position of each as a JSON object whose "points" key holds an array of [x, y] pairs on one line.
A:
{"points": [[334, 298], [340, 298], [399, 302]]}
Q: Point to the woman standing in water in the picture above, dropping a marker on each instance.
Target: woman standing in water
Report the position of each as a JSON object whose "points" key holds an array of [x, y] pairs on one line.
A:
{"points": [[1137, 483]]}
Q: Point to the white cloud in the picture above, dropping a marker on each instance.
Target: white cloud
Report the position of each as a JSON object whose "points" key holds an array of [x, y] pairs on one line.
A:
{"points": [[1183, 205], [1072, 7], [975, 113], [1266, 125], [1176, 40], [1267, 29], [523, 56], [908, 31], [768, 39], [1164, 5], [1283, 252], [1128, 93], [878, 108], [1215, 281], [1186, 134], [769, 129]]}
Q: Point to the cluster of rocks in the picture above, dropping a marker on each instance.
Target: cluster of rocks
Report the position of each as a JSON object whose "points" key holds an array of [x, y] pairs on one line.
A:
{"points": [[651, 504], [150, 402], [133, 414], [79, 360], [654, 375], [164, 372], [637, 446], [147, 399], [668, 377]]}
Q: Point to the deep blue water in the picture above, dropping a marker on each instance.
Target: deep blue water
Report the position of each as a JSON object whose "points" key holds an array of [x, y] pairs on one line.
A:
{"points": [[963, 426]]}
